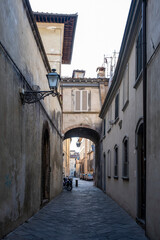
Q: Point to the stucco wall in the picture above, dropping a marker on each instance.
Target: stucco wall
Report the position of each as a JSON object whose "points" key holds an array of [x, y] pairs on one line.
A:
{"points": [[124, 191], [52, 35], [153, 120], [72, 118], [22, 125], [153, 149]]}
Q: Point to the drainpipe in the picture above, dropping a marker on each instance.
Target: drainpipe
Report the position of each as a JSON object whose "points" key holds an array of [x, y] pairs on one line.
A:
{"points": [[144, 74]]}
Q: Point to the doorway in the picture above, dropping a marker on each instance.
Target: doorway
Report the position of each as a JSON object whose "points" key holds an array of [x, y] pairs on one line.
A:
{"points": [[141, 176], [45, 168]]}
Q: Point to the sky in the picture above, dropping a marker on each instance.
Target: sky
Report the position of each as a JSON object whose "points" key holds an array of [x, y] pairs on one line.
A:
{"points": [[99, 31]]}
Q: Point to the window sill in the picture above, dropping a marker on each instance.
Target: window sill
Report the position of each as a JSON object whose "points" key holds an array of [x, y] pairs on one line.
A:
{"points": [[125, 105], [116, 177], [125, 178], [138, 81]]}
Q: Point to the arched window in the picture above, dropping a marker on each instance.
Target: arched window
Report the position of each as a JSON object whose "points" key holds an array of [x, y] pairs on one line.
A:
{"points": [[125, 157], [116, 161]]}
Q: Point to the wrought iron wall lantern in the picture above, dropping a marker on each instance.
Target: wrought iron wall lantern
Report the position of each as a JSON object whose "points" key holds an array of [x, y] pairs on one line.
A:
{"points": [[35, 96]]}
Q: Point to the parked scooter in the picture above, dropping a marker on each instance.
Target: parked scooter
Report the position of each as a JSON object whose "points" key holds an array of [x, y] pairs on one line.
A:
{"points": [[67, 183]]}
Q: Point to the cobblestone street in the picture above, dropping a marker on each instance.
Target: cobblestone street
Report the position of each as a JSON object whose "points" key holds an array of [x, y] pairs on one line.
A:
{"points": [[84, 213]]}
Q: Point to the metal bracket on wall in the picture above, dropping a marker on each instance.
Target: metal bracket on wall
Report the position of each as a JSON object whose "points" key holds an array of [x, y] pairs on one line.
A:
{"points": [[35, 96]]}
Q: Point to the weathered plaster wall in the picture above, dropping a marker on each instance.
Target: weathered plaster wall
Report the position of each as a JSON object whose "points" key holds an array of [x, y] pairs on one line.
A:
{"points": [[21, 125], [153, 149], [123, 191], [153, 120]]}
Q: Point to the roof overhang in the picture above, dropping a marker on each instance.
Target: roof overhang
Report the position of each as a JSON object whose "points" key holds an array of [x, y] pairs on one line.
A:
{"points": [[69, 21]]}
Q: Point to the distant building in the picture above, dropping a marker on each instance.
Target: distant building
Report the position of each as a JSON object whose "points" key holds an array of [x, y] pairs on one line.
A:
{"points": [[73, 158], [87, 156], [66, 157]]}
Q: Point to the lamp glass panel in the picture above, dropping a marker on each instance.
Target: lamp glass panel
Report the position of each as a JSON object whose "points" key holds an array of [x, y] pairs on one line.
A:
{"points": [[52, 82]]}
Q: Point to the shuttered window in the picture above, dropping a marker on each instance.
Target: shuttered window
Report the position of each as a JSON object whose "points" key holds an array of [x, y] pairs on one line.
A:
{"points": [[81, 100], [139, 53], [84, 100], [126, 86], [77, 101]]}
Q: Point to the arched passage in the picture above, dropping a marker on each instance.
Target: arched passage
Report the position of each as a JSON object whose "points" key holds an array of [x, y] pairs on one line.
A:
{"points": [[84, 133], [94, 136]]}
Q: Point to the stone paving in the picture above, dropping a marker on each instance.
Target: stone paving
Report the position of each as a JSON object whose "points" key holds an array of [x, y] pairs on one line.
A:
{"points": [[84, 213]]}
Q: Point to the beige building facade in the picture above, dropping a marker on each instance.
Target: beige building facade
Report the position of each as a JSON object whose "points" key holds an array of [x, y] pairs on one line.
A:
{"points": [[87, 157], [130, 168], [73, 159], [66, 157], [57, 32], [84, 98]]}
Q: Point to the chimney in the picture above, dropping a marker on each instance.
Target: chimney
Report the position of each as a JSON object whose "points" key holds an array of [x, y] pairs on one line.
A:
{"points": [[78, 74], [100, 72]]}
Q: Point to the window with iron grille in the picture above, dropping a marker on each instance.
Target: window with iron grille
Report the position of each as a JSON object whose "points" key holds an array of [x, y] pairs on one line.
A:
{"points": [[139, 54], [116, 161], [117, 106], [81, 100], [125, 168]]}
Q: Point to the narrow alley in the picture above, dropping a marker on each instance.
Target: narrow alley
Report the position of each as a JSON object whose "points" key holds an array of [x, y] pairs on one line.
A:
{"points": [[84, 213]]}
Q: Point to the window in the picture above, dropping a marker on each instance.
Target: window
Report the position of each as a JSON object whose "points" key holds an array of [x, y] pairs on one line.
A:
{"points": [[81, 100], [117, 106], [116, 161], [109, 164], [125, 169], [109, 119], [139, 54], [125, 87]]}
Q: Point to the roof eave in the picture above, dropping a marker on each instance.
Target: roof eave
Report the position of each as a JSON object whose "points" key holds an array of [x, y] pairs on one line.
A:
{"points": [[70, 22]]}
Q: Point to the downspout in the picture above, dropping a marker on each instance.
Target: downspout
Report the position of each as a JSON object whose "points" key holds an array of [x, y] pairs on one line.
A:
{"points": [[144, 74]]}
